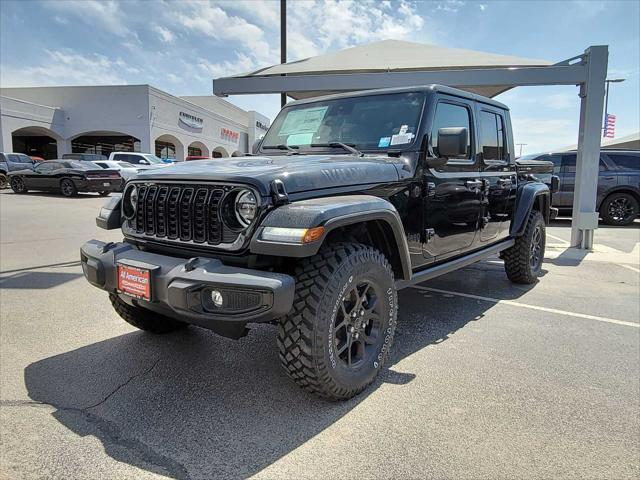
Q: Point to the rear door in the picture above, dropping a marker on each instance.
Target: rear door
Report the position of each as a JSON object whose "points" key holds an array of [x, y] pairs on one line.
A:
{"points": [[499, 175], [564, 198], [453, 192]]}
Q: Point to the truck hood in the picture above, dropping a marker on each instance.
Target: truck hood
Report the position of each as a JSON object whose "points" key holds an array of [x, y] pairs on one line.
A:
{"points": [[297, 172]]}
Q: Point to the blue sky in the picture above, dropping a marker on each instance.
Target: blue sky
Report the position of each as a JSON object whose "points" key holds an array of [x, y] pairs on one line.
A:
{"points": [[180, 46]]}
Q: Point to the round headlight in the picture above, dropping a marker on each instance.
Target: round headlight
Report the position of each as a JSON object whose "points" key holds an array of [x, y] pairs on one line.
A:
{"points": [[246, 207], [129, 200]]}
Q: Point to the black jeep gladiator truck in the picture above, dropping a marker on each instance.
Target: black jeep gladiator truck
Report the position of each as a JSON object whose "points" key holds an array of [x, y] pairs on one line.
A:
{"points": [[347, 199]]}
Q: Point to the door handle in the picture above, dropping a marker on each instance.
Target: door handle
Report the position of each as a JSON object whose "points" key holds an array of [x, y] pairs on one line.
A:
{"points": [[474, 184]]}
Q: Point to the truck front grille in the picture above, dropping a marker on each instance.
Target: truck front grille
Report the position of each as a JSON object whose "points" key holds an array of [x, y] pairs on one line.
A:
{"points": [[188, 213]]}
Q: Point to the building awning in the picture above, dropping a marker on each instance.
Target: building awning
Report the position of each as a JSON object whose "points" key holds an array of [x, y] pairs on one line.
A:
{"points": [[390, 56]]}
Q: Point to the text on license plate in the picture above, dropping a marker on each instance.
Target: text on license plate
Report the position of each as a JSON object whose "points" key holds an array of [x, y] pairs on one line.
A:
{"points": [[135, 282], [106, 184]]}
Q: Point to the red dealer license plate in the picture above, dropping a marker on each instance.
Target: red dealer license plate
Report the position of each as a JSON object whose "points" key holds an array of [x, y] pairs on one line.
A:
{"points": [[134, 281]]}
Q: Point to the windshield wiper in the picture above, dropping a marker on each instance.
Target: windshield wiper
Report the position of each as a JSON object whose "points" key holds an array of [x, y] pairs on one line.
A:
{"points": [[282, 146], [348, 147]]}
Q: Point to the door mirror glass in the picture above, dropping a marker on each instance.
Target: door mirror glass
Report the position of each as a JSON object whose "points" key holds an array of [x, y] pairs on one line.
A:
{"points": [[452, 142], [144, 162]]}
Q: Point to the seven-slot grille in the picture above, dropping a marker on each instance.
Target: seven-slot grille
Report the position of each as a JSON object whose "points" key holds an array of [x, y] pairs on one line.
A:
{"points": [[181, 212]]}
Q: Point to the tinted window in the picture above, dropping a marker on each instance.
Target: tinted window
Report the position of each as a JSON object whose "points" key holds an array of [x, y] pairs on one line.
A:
{"points": [[45, 167], [492, 136], [102, 165], [74, 156], [449, 115], [17, 158], [625, 161], [569, 163]]}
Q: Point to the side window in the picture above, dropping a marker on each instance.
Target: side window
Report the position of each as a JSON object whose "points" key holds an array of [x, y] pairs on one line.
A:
{"points": [[492, 136], [450, 115], [119, 156], [625, 161], [569, 163], [44, 168]]}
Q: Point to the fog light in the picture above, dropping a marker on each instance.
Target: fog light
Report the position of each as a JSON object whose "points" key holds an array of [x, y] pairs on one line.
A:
{"points": [[216, 298]]}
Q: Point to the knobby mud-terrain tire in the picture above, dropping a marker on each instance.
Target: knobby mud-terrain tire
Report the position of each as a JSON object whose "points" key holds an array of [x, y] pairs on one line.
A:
{"points": [[68, 188], [619, 209], [144, 319], [523, 261], [338, 334], [17, 185]]}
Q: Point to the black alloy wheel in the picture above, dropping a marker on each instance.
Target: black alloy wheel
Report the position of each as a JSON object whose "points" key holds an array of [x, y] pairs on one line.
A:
{"points": [[17, 185], [357, 325], [537, 249], [620, 209], [68, 188]]}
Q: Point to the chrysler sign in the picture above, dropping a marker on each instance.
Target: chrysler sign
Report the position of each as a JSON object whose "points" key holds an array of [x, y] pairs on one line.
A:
{"points": [[191, 120]]}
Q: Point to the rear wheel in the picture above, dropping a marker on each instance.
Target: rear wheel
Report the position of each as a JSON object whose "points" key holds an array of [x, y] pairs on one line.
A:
{"points": [[339, 332], [4, 180], [523, 261], [144, 319], [17, 185], [619, 209], [68, 188]]}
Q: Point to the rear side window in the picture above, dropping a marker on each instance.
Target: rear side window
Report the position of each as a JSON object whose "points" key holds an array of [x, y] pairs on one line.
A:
{"points": [[569, 164], [15, 158], [102, 165], [625, 161], [450, 115], [492, 136]]}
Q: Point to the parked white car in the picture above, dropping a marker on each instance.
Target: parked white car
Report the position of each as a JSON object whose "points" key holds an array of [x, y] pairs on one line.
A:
{"points": [[125, 169], [137, 158]]}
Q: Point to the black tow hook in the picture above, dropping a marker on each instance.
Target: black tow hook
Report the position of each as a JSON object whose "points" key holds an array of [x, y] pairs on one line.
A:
{"points": [[108, 246], [191, 264]]}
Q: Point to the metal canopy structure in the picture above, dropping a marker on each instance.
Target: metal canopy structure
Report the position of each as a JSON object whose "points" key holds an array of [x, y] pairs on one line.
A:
{"points": [[393, 63]]}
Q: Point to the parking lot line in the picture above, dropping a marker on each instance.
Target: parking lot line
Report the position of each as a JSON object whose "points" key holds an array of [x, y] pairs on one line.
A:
{"points": [[531, 307], [629, 267]]}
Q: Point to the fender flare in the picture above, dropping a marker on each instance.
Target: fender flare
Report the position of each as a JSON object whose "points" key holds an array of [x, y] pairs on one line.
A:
{"points": [[527, 195], [331, 213]]}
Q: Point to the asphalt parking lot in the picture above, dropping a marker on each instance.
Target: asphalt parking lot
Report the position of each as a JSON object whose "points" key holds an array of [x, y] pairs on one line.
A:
{"points": [[486, 380]]}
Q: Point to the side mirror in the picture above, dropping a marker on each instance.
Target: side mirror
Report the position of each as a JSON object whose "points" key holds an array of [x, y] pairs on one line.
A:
{"points": [[452, 142], [144, 162]]}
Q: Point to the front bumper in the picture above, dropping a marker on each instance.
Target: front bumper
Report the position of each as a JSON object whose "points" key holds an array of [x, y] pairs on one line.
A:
{"points": [[181, 288]]}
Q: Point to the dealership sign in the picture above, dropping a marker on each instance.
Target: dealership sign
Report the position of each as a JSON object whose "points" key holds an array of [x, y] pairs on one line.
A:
{"points": [[229, 135], [191, 120]]}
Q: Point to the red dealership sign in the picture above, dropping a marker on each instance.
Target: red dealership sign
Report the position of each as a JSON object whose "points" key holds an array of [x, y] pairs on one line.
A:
{"points": [[229, 135]]}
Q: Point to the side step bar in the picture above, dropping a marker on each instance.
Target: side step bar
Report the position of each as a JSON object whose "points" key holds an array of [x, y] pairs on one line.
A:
{"points": [[451, 265]]}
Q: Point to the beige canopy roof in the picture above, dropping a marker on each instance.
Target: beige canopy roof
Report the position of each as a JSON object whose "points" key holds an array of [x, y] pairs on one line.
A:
{"points": [[397, 56]]}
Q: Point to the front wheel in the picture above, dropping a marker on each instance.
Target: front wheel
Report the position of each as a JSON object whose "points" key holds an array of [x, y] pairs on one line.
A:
{"points": [[68, 188], [338, 334], [619, 209], [17, 185], [523, 261]]}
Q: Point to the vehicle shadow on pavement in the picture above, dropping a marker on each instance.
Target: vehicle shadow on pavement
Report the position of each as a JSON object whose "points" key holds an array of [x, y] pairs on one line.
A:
{"points": [[195, 405], [36, 280]]}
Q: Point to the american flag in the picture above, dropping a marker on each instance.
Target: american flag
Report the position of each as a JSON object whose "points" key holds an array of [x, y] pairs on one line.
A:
{"points": [[609, 126]]}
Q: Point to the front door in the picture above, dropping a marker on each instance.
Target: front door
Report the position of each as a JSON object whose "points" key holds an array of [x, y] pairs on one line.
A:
{"points": [[454, 191], [499, 174]]}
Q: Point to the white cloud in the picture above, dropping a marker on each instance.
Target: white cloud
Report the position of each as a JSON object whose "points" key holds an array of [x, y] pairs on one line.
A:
{"points": [[166, 35], [67, 68], [241, 64], [450, 6], [483, 7], [103, 14]]}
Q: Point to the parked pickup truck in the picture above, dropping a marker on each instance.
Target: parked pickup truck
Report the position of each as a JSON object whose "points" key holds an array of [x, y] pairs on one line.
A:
{"points": [[349, 199]]}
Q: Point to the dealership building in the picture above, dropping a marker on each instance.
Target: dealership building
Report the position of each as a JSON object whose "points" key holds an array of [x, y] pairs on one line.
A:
{"points": [[50, 121]]}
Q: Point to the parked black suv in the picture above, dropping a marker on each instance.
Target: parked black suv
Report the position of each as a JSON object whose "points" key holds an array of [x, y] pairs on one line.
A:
{"points": [[618, 183], [349, 198]]}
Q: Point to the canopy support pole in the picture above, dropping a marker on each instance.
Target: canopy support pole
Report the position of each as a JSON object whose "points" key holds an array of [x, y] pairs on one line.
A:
{"points": [[585, 217]]}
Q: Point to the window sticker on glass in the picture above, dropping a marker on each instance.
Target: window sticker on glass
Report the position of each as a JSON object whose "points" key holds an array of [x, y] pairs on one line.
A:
{"points": [[300, 139], [401, 138], [384, 142], [303, 121]]}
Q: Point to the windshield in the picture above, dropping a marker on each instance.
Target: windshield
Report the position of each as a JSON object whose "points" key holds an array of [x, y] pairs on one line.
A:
{"points": [[152, 158], [374, 122]]}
